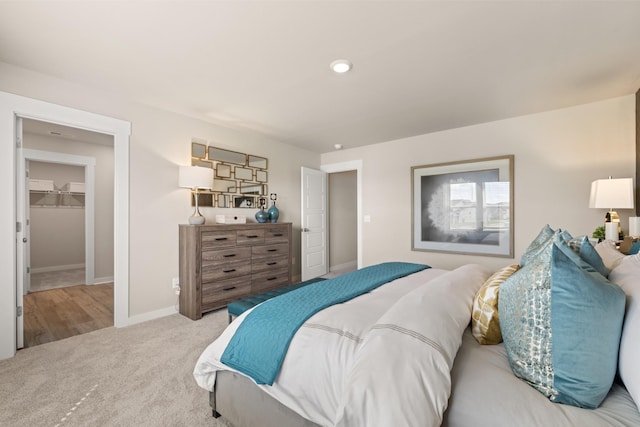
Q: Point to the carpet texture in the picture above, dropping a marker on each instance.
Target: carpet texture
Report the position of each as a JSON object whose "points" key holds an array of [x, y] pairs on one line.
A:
{"points": [[135, 376]]}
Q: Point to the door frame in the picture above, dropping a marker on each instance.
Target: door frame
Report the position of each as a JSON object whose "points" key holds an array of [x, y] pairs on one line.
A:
{"points": [[12, 106], [353, 165]]}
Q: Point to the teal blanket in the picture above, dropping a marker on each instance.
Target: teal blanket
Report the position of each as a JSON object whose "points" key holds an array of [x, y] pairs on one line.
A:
{"points": [[259, 345]]}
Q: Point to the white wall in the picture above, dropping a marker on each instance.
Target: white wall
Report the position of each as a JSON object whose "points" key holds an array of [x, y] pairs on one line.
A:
{"points": [[160, 141], [56, 232], [557, 156]]}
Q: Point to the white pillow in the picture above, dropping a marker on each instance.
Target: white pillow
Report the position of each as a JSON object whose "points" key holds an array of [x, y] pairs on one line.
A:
{"points": [[627, 275], [610, 255]]}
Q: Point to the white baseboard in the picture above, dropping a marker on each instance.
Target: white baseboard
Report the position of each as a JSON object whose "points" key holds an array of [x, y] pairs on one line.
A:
{"points": [[57, 268], [139, 318], [101, 280], [346, 266]]}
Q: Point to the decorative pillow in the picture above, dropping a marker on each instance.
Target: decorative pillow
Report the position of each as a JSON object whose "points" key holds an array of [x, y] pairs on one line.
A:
{"points": [[538, 244], [485, 321], [625, 245], [635, 248], [582, 246], [627, 275], [587, 312], [525, 318], [609, 253], [561, 322]]}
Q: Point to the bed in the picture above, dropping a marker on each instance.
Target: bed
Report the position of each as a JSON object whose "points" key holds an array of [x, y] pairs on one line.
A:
{"points": [[405, 353]]}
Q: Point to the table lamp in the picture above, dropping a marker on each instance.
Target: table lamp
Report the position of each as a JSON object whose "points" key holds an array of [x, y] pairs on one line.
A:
{"points": [[195, 178], [612, 194]]}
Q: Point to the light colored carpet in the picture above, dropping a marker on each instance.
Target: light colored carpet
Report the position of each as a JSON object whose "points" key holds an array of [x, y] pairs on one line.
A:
{"points": [[57, 279], [135, 376]]}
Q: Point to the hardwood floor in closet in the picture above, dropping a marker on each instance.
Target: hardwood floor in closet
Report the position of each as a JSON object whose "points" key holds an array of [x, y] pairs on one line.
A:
{"points": [[61, 313]]}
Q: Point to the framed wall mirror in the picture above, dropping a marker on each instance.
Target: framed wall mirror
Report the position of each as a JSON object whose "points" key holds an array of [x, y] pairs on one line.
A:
{"points": [[257, 162], [198, 150], [252, 188], [244, 174], [227, 156], [239, 178]]}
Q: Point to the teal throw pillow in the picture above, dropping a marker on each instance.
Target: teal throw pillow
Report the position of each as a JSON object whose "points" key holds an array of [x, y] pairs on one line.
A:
{"points": [[635, 248], [561, 320], [538, 244], [583, 247], [587, 313], [525, 320]]}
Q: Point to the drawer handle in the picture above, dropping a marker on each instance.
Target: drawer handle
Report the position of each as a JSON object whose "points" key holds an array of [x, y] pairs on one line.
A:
{"points": [[230, 255], [253, 236], [277, 235], [272, 250], [271, 278], [229, 289], [219, 239], [229, 271], [272, 263]]}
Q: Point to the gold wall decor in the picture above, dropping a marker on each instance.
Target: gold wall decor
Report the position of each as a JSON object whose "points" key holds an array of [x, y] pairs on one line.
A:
{"points": [[239, 178]]}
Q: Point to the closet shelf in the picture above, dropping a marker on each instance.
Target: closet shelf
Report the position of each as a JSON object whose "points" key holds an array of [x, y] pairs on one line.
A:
{"points": [[44, 193]]}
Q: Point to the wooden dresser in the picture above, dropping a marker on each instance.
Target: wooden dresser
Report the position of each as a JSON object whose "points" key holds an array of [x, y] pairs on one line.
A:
{"points": [[225, 262]]}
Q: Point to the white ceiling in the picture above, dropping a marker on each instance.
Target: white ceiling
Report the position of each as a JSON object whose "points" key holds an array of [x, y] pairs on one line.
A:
{"points": [[419, 66]]}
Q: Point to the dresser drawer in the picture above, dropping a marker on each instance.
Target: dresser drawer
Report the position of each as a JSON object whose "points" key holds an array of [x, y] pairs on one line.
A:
{"points": [[218, 294], [250, 237], [217, 239], [225, 271], [267, 251], [266, 280], [276, 235], [269, 264], [221, 256]]}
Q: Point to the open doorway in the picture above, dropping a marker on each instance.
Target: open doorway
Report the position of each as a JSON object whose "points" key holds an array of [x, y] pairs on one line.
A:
{"points": [[316, 213], [56, 242], [68, 252], [343, 222], [13, 107]]}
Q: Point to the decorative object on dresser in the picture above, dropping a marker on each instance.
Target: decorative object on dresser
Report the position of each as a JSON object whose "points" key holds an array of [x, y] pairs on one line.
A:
{"points": [[231, 219], [612, 194], [224, 263], [195, 177], [274, 213], [262, 216]]}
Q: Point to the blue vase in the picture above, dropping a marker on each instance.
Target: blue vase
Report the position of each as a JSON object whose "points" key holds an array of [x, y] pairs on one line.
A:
{"points": [[262, 216], [274, 213]]}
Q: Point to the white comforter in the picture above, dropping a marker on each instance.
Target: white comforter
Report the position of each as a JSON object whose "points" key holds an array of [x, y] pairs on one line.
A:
{"points": [[381, 359]]}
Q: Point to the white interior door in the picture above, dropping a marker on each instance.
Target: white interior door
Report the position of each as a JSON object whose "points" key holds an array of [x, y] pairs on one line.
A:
{"points": [[314, 223], [22, 239]]}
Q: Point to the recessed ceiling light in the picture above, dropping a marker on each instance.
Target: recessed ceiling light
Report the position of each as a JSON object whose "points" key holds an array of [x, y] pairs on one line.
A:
{"points": [[337, 146], [341, 66]]}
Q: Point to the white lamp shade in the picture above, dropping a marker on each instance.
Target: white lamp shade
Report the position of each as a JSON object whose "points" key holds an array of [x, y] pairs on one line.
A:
{"points": [[612, 194], [195, 177]]}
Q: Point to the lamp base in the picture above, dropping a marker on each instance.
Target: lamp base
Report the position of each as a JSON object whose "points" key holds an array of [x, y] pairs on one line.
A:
{"points": [[611, 231], [196, 220]]}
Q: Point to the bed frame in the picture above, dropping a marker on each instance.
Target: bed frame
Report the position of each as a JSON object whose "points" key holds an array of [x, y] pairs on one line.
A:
{"points": [[237, 399]]}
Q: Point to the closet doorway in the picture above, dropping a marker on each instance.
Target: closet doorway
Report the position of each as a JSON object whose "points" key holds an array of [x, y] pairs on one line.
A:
{"points": [[68, 285]]}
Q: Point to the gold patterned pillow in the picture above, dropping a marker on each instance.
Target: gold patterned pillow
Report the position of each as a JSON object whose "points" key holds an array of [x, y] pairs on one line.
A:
{"points": [[485, 321]]}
